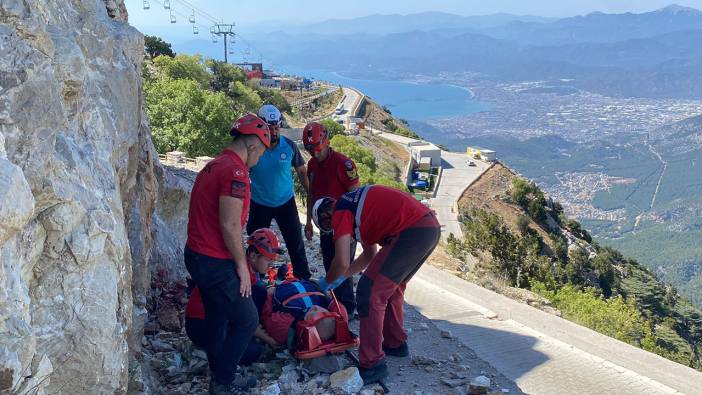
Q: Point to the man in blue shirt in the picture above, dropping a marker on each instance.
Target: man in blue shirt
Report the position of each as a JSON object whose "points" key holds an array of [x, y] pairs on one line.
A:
{"points": [[272, 191]]}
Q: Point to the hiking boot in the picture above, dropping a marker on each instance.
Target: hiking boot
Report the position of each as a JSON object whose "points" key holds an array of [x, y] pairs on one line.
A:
{"points": [[374, 374], [240, 385], [401, 351]]}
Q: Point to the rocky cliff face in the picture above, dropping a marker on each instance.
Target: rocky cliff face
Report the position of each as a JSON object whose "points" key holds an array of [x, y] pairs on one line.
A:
{"points": [[77, 193]]}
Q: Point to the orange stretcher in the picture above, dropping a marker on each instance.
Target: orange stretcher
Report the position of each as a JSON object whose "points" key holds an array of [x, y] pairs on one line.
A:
{"points": [[307, 340]]}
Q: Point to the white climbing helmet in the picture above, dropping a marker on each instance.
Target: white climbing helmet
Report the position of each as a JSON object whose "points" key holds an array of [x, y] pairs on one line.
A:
{"points": [[321, 213], [270, 114]]}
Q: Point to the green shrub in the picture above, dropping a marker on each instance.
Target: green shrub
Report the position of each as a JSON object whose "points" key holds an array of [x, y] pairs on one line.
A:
{"points": [[155, 46], [523, 224], [613, 317], [184, 67], [187, 118], [332, 127]]}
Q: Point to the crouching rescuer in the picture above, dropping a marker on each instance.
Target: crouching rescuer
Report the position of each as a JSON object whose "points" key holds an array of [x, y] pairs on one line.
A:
{"points": [[407, 233], [262, 251], [214, 252]]}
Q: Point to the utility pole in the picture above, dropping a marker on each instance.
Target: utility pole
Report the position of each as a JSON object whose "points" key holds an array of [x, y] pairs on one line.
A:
{"points": [[225, 30]]}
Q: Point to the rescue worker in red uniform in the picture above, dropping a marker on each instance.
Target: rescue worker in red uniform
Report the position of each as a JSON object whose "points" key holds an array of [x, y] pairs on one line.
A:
{"points": [[407, 232], [262, 251], [214, 254], [331, 174]]}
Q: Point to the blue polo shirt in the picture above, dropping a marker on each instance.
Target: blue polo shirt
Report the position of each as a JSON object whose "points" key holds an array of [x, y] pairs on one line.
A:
{"points": [[272, 178]]}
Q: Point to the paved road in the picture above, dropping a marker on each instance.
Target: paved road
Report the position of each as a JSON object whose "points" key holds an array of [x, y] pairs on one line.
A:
{"points": [[542, 353], [350, 97], [456, 176]]}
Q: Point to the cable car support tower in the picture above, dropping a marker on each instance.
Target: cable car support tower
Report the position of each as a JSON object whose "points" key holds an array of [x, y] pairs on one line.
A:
{"points": [[226, 30]]}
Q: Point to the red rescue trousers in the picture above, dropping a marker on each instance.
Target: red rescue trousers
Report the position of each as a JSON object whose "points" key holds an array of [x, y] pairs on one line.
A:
{"points": [[380, 292]]}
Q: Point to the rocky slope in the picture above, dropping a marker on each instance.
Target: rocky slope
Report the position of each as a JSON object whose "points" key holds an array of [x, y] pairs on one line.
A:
{"points": [[518, 240], [77, 194]]}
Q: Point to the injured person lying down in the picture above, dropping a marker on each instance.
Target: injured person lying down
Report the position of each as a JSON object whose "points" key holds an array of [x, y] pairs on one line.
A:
{"points": [[292, 313], [293, 301]]}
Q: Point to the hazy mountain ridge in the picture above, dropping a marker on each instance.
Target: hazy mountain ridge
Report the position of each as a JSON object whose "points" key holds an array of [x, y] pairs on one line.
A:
{"points": [[601, 27], [380, 24], [653, 54]]}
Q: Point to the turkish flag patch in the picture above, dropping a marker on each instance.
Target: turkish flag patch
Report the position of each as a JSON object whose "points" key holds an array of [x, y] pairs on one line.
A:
{"points": [[238, 189]]}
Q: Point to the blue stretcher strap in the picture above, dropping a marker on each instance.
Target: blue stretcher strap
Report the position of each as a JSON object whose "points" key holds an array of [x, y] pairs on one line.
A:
{"points": [[306, 299]]}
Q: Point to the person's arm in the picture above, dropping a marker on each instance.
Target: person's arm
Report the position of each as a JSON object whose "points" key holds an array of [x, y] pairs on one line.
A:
{"points": [[266, 338], [298, 163], [362, 261], [348, 175], [310, 204], [230, 209], [342, 259], [302, 176]]}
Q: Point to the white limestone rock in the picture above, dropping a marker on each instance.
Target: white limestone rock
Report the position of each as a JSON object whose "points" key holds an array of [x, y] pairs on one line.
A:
{"points": [[77, 193], [348, 381]]}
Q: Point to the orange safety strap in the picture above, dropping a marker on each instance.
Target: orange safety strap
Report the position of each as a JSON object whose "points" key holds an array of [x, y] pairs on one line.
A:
{"points": [[300, 296]]}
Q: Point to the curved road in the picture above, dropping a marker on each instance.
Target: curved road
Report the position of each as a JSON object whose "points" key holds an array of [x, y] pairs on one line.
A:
{"points": [[350, 98], [455, 177], [542, 353]]}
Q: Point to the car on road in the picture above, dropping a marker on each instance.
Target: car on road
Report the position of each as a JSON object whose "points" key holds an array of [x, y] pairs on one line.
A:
{"points": [[471, 163]]}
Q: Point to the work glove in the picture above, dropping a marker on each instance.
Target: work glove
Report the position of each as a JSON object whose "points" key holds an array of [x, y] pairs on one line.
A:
{"points": [[324, 286]]}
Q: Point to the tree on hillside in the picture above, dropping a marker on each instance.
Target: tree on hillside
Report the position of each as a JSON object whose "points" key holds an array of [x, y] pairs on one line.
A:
{"points": [[523, 224], [272, 96], [332, 127], [188, 118], [155, 46], [363, 157], [366, 165], [245, 98], [183, 67], [224, 74]]}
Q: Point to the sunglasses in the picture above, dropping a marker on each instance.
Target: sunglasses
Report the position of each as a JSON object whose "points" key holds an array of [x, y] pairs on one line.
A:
{"points": [[316, 147]]}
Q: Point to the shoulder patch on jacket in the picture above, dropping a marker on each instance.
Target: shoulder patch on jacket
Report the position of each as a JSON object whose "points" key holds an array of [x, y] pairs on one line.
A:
{"points": [[238, 189]]}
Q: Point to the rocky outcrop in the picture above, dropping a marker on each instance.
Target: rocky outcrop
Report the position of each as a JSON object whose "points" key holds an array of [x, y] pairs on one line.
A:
{"points": [[170, 221], [77, 193]]}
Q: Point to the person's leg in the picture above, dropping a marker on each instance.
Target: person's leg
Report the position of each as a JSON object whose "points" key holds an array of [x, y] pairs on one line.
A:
{"points": [[389, 272], [196, 330], [344, 291], [251, 354], [232, 320], [259, 296], [394, 334], [288, 221], [214, 327], [410, 248], [429, 230], [346, 296], [326, 244], [373, 293], [259, 217]]}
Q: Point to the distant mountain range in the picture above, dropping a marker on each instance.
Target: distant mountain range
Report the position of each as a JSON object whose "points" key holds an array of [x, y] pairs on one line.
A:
{"points": [[654, 54], [387, 24]]}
